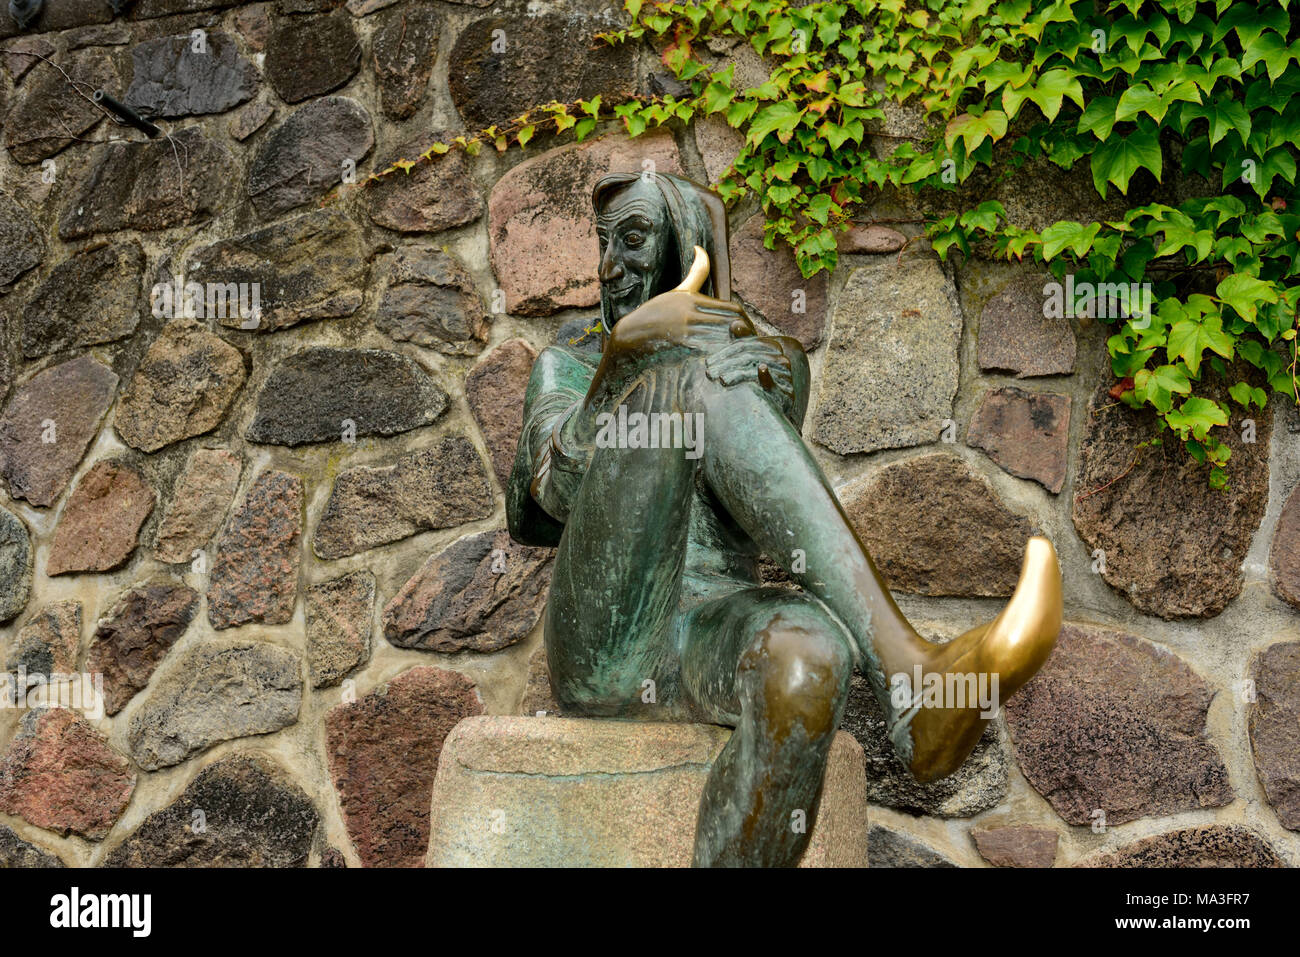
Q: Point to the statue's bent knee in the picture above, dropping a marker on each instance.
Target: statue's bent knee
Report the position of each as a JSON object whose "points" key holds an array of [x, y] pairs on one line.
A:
{"points": [[799, 668]]}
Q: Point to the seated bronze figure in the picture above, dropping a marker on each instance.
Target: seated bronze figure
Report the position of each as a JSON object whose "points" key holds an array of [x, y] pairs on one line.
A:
{"points": [[662, 468]]}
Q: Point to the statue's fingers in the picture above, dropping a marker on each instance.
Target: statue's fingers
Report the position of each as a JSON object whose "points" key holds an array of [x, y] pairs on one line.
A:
{"points": [[717, 307]]}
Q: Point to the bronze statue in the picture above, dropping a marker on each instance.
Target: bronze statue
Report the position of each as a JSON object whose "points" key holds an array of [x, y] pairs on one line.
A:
{"points": [[662, 468]]}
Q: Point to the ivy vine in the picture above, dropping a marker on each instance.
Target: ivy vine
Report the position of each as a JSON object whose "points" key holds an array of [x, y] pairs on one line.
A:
{"points": [[1207, 92]]}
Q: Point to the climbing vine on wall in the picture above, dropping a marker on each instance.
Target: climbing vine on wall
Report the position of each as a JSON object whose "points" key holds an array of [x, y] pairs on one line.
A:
{"points": [[1132, 91]]}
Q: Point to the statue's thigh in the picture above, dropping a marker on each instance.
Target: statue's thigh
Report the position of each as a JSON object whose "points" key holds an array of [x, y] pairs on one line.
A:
{"points": [[787, 634], [615, 588]]}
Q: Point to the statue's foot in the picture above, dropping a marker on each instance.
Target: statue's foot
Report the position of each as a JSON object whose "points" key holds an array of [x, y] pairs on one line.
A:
{"points": [[1001, 656]]}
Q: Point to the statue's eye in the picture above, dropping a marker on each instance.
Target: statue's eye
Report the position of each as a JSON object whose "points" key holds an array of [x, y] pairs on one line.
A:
{"points": [[634, 240]]}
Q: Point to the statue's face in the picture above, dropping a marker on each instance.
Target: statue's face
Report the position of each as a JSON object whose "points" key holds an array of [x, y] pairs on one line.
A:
{"points": [[635, 246]]}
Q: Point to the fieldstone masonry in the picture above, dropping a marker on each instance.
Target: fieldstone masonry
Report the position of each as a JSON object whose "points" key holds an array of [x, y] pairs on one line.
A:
{"points": [[270, 514]]}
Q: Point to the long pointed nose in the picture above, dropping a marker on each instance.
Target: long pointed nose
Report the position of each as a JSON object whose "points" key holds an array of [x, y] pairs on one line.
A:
{"points": [[611, 270]]}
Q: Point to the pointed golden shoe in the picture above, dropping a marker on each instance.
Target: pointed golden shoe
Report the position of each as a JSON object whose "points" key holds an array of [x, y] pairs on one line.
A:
{"points": [[1011, 648]]}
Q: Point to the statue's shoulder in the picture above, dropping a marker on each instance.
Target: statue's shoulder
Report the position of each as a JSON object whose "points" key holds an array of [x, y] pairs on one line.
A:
{"points": [[562, 366]]}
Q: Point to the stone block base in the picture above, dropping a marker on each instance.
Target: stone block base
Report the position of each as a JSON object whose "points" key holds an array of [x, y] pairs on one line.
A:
{"points": [[566, 792]]}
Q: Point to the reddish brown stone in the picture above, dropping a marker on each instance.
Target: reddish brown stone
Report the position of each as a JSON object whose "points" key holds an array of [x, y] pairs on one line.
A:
{"points": [[48, 643], [770, 281], [383, 754], [332, 857], [482, 593], [255, 576], [1172, 545], [253, 22], [18, 55], [48, 425], [1284, 556], [250, 119], [1026, 433], [1015, 336], [1116, 724], [59, 773], [136, 634], [1274, 725], [1017, 846], [1212, 845], [870, 239], [101, 522], [935, 527], [203, 493], [540, 224], [495, 392]]}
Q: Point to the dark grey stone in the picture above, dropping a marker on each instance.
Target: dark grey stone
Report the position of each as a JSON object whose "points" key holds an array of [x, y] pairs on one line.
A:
{"points": [[172, 79], [177, 180], [15, 565], [21, 245], [15, 852], [431, 300], [308, 56], [89, 298], [303, 157], [979, 784], [242, 811], [313, 394], [50, 113], [886, 848], [310, 267]]}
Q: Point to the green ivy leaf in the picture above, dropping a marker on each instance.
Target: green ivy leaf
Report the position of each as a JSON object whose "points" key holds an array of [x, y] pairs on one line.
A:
{"points": [[1115, 161], [1244, 293], [1196, 416], [1189, 338], [1077, 237]]}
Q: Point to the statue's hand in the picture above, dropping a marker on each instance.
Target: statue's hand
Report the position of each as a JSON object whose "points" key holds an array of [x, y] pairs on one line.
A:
{"points": [[753, 360], [681, 317]]}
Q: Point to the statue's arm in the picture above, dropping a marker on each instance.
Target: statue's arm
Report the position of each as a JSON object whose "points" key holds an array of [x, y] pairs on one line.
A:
{"points": [[550, 460]]}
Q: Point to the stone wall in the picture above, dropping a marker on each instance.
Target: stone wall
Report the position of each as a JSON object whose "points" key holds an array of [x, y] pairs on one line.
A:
{"points": [[279, 535]]}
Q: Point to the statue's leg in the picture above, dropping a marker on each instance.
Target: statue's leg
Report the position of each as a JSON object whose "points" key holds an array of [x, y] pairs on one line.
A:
{"points": [[775, 665], [760, 469], [617, 575]]}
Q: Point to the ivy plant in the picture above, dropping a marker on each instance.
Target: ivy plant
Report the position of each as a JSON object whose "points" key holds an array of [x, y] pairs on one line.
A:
{"points": [[1131, 92]]}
